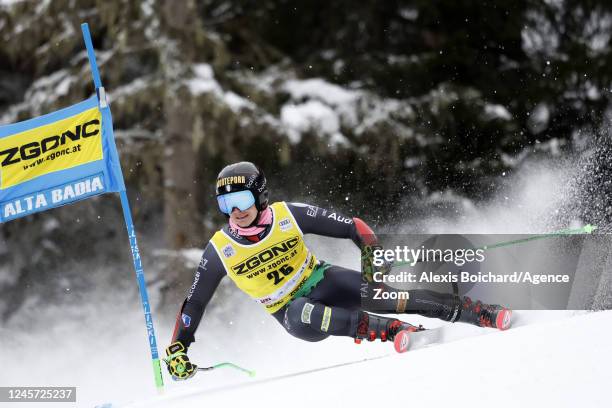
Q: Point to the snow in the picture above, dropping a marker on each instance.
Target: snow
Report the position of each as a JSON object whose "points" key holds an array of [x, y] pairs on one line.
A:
{"points": [[151, 31], [408, 13], [10, 115], [316, 116], [42, 6], [50, 224], [380, 110], [344, 102], [411, 162], [338, 139], [190, 256], [317, 88], [323, 107], [597, 32], [338, 66], [64, 86], [136, 133], [237, 102], [132, 88], [203, 80], [8, 3], [540, 37], [310, 115], [265, 81], [538, 118], [44, 90], [326, 108], [592, 92], [547, 359], [494, 111], [7, 277]]}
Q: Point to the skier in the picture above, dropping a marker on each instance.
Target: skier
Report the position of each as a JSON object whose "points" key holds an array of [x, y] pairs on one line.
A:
{"points": [[263, 251]]}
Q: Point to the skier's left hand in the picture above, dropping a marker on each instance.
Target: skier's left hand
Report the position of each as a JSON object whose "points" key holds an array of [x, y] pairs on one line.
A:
{"points": [[179, 366], [367, 263]]}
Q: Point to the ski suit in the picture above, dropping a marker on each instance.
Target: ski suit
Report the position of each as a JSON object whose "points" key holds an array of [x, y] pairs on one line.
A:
{"points": [[310, 298]]}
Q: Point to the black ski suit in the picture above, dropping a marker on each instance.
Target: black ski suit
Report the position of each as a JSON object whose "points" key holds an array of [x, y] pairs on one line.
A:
{"points": [[339, 291]]}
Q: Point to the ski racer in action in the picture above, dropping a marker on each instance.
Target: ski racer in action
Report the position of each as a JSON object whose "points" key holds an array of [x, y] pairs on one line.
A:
{"points": [[263, 251]]}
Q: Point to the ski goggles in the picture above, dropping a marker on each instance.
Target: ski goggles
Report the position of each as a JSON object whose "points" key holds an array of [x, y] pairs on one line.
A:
{"points": [[242, 200]]}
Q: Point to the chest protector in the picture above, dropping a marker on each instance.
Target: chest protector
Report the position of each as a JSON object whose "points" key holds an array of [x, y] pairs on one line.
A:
{"points": [[272, 270]]}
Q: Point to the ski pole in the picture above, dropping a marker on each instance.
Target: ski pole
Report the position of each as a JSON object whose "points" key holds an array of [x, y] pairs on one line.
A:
{"points": [[251, 373], [587, 229]]}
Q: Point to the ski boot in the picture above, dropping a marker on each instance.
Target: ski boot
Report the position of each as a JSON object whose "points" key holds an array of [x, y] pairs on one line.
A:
{"points": [[372, 327], [483, 315]]}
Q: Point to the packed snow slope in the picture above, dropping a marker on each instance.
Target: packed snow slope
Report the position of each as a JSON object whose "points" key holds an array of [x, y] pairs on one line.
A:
{"points": [[548, 359]]}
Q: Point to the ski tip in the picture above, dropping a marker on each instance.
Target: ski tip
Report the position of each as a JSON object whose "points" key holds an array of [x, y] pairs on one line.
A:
{"points": [[402, 341], [504, 319]]}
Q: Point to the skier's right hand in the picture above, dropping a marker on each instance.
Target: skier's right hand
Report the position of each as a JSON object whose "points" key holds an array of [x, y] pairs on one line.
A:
{"points": [[179, 366]]}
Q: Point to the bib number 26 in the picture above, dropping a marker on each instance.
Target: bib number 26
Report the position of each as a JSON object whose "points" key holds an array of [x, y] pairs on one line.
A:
{"points": [[279, 274]]}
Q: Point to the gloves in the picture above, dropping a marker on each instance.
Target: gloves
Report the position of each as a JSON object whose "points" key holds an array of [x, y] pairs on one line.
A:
{"points": [[367, 263], [179, 366]]}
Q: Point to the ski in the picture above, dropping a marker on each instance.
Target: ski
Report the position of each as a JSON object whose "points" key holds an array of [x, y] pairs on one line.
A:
{"points": [[410, 339]]}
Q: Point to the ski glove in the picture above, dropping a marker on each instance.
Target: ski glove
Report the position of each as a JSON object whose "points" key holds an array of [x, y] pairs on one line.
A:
{"points": [[179, 366], [367, 263]]}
